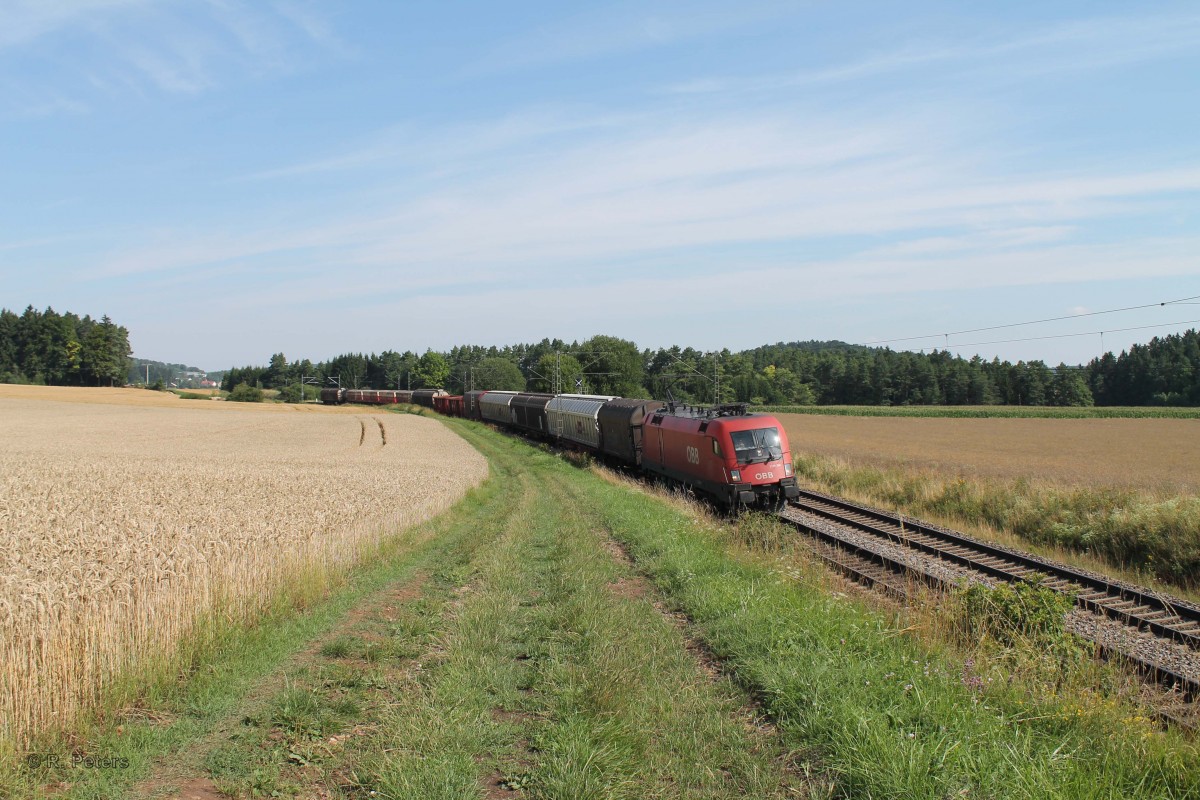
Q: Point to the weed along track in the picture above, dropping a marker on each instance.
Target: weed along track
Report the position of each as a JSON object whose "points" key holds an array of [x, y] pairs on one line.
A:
{"points": [[1160, 635]]}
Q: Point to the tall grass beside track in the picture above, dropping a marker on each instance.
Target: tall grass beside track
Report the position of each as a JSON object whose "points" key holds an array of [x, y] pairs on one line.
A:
{"points": [[1127, 529]]}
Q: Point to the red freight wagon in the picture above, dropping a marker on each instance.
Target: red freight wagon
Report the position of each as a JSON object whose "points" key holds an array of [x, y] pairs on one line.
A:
{"points": [[450, 405], [734, 457]]}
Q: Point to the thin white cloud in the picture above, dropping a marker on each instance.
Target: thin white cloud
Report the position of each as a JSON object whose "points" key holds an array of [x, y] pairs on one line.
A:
{"points": [[315, 25], [657, 190], [454, 148], [1068, 47], [27, 20], [620, 28], [123, 46]]}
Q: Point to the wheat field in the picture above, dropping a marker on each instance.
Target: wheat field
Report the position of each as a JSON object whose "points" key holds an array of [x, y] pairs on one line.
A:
{"points": [[124, 527]]}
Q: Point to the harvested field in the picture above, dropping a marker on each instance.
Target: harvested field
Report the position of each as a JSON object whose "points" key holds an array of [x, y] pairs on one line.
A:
{"points": [[150, 399], [1159, 455], [128, 518]]}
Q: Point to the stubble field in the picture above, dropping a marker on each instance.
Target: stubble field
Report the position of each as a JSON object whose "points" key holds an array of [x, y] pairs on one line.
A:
{"points": [[130, 520], [1117, 495], [1161, 455]]}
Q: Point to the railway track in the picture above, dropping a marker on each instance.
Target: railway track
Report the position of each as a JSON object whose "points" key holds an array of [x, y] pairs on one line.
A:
{"points": [[1159, 634]]}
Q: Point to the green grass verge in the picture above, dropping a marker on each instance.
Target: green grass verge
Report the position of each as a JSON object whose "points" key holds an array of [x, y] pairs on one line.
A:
{"points": [[884, 714], [980, 412]]}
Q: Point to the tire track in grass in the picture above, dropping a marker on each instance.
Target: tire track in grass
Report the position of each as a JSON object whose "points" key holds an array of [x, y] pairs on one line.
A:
{"points": [[292, 733], [328, 730], [708, 738], [361, 644], [553, 684]]}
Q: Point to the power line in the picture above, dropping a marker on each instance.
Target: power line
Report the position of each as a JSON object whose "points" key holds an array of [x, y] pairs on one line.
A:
{"points": [[1181, 301], [1070, 335]]}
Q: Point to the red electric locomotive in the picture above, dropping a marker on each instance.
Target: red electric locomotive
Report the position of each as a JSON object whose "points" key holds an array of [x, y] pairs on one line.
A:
{"points": [[732, 456]]}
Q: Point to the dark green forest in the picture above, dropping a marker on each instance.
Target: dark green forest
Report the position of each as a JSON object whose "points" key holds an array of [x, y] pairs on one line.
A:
{"points": [[46, 347], [1165, 371]]}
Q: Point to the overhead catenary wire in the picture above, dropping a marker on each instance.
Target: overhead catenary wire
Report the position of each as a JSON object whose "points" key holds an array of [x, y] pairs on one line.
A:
{"points": [[1071, 335], [947, 335]]}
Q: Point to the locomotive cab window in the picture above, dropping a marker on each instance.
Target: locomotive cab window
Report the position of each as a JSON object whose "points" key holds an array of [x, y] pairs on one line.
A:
{"points": [[758, 445]]}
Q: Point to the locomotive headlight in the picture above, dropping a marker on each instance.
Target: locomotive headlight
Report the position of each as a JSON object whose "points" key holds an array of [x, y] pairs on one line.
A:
{"points": [[787, 468], [735, 475]]}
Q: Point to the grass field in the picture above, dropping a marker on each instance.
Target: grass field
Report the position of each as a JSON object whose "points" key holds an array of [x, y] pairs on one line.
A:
{"points": [[562, 633], [992, 412], [138, 524]]}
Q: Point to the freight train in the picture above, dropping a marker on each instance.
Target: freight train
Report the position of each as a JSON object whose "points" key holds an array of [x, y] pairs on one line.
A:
{"points": [[723, 453], [381, 397]]}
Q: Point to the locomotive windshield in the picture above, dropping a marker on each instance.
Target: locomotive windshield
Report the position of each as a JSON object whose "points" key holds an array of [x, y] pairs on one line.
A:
{"points": [[760, 444]]}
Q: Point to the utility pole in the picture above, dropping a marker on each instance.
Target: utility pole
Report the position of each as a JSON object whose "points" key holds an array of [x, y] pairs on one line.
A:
{"points": [[309, 380]]}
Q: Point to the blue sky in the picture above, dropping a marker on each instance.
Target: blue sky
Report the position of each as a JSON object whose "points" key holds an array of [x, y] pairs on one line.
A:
{"points": [[230, 179]]}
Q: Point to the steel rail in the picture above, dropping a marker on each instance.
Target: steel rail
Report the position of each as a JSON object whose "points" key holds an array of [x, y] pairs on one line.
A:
{"points": [[1134, 606]]}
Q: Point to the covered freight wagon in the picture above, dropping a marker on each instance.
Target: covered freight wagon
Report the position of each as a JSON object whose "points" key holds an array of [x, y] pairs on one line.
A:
{"points": [[620, 422], [573, 417], [529, 411], [376, 397], [424, 397], [333, 396], [494, 406]]}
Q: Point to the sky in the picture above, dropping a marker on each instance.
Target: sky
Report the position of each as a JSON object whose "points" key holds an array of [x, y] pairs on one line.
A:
{"points": [[232, 178]]}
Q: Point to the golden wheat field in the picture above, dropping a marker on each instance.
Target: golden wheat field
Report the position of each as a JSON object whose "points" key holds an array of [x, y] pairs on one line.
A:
{"points": [[123, 525], [1159, 455]]}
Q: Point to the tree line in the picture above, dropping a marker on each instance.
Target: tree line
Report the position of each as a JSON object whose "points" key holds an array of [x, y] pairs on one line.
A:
{"points": [[1165, 371], [45, 347]]}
